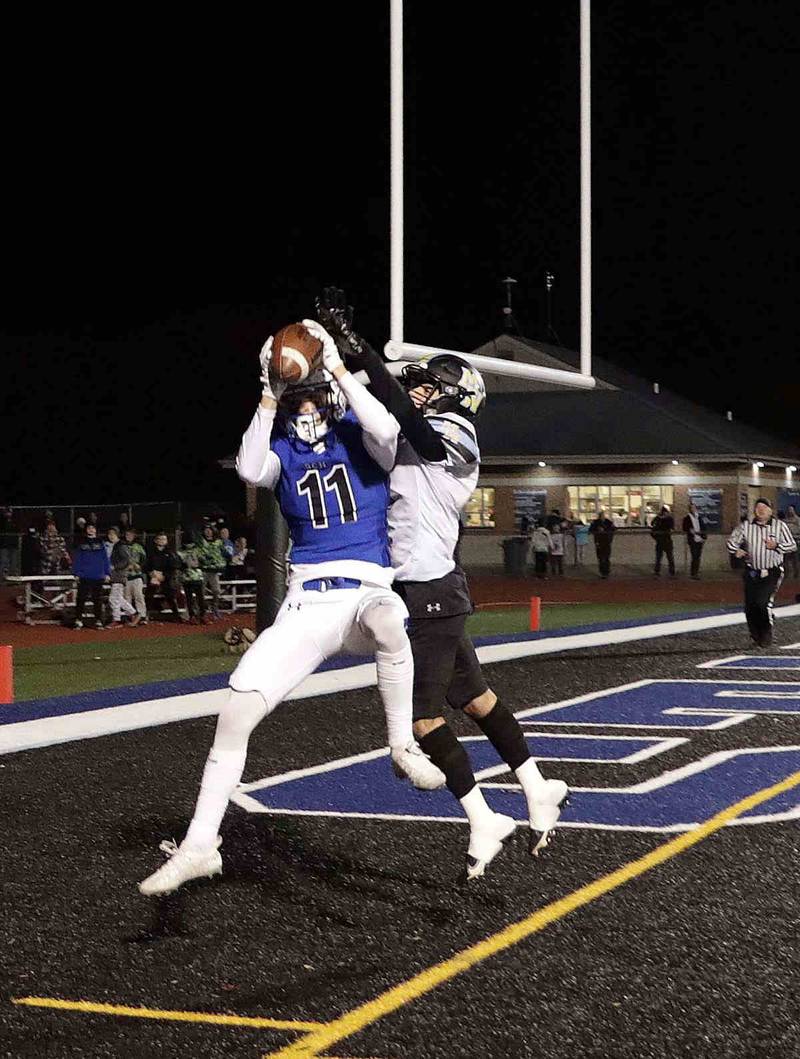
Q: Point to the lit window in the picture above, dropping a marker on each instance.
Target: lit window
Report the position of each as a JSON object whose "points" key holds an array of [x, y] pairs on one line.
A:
{"points": [[479, 511], [625, 505]]}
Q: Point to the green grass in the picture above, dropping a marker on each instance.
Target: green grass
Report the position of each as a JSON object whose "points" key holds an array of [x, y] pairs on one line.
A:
{"points": [[42, 672], [561, 616]]}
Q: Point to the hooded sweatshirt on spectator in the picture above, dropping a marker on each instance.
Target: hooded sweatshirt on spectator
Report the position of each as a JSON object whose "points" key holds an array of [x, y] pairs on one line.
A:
{"points": [[90, 560]]}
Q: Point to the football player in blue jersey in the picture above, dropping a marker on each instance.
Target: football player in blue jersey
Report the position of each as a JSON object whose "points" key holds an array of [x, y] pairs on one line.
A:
{"points": [[328, 465], [435, 473]]}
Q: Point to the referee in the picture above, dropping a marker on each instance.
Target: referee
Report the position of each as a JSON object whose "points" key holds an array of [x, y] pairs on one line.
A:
{"points": [[762, 543]]}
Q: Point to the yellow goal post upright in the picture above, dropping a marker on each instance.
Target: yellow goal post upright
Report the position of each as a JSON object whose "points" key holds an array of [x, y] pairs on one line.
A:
{"points": [[397, 349]]}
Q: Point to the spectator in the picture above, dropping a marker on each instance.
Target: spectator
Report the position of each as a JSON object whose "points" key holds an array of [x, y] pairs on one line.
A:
{"points": [[124, 523], [161, 568], [53, 554], [239, 560], [602, 529], [541, 550], [525, 527], [8, 542], [581, 531], [119, 555], [553, 519], [92, 568], [557, 551], [212, 562], [78, 530], [226, 542], [93, 520], [30, 553], [619, 519], [193, 579], [112, 537], [134, 588], [694, 526], [793, 522], [661, 532]]}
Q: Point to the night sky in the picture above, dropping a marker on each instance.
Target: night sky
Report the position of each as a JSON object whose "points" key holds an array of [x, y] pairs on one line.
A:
{"points": [[177, 189]]}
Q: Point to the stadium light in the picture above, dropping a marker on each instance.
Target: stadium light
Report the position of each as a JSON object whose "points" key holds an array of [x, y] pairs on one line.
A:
{"points": [[759, 463], [674, 463], [791, 468], [542, 463]]}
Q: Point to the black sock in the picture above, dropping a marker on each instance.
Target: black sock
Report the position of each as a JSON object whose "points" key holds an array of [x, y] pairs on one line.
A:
{"points": [[503, 731], [449, 755]]}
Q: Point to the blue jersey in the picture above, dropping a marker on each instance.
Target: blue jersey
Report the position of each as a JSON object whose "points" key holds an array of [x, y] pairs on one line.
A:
{"points": [[335, 501]]}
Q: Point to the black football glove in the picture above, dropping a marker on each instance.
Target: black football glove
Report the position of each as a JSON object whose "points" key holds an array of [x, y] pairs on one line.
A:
{"points": [[336, 316]]}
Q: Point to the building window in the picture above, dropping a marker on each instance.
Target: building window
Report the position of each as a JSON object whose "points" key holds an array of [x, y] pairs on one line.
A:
{"points": [[625, 505], [479, 511]]}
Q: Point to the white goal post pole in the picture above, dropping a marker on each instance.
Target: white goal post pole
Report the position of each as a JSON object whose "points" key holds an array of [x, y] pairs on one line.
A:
{"points": [[396, 169], [410, 353], [586, 190]]}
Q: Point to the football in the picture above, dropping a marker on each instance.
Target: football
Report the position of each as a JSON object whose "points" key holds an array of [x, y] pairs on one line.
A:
{"points": [[295, 353]]}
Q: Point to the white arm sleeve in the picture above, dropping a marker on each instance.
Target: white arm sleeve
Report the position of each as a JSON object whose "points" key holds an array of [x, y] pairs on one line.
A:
{"points": [[256, 463], [737, 538], [380, 426]]}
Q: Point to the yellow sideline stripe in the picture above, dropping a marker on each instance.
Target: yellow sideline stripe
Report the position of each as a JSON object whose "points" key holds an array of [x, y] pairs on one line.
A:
{"points": [[365, 1014], [88, 1007]]}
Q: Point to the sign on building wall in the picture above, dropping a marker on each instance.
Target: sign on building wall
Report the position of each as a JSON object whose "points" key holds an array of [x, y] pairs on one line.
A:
{"points": [[789, 498], [709, 504], [531, 503]]}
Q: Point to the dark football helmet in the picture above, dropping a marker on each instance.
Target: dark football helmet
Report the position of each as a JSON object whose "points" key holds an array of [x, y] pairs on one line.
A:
{"points": [[459, 386], [311, 427]]}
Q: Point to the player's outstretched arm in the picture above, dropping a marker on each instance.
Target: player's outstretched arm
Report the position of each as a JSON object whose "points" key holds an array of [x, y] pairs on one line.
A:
{"points": [[337, 317], [379, 426], [256, 463]]}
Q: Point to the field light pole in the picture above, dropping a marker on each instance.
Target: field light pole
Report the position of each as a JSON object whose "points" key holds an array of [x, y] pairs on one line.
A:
{"points": [[586, 189]]}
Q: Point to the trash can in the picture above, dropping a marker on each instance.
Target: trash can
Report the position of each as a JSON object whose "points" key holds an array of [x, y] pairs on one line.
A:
{"points": [[515, 556]]}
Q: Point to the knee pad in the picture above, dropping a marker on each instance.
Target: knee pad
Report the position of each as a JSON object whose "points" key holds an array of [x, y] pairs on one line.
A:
{"points": [[242, 711], [385, 620]]}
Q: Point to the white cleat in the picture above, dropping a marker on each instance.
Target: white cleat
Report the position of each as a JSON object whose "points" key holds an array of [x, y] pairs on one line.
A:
{"points": [[410, 762], [184, 864], [486, 842], [545, 814]]}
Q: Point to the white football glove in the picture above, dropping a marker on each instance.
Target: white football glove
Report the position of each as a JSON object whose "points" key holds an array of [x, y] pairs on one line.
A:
{"points": [[270, 386], [330, 354]]}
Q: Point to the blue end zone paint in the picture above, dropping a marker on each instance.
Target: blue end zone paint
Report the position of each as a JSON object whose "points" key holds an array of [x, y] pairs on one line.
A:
{"points": [[36, 709], [679, 801], [645, 706], [755, 662]]}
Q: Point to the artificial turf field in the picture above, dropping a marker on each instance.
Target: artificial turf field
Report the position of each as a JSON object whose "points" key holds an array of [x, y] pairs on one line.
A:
{"points": [[317, 915]]}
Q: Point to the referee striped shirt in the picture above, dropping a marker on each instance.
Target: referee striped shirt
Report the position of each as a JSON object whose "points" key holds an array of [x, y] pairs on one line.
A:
{"points": [[752, 537]]}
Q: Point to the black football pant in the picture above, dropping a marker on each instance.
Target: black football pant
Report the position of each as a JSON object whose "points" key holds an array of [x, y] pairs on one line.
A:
{"points": [[759, 599]]}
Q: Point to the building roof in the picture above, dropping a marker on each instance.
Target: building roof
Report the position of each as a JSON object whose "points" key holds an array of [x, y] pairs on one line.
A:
{"points": [[622, 417]]}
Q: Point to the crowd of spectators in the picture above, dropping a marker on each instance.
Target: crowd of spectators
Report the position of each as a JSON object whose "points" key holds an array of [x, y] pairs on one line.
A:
{"points": [[144, 571]]}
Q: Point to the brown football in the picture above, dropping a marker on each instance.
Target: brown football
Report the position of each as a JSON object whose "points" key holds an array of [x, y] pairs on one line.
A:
{"points": [[295, 352]]}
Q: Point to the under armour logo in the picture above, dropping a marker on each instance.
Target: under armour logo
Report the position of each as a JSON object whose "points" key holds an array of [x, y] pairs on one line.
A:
{"points": [[433, 606]]}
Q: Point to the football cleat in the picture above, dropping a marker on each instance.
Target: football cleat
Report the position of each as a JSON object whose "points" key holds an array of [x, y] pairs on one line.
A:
{"points": [[545, 814], [184, 864], [485, 843], [409, 762]]}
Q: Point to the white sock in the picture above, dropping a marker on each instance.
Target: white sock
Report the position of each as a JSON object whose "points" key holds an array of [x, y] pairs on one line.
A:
{"points": [[396, 686], [223, 771], [478, 812], [533, 783]]}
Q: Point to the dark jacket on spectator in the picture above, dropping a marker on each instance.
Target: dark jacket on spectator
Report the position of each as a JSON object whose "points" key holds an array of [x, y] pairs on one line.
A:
{"points": [[165, 561], [120, 561], [602, 528], [662, 527], [90, 560], [687, 527]]}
